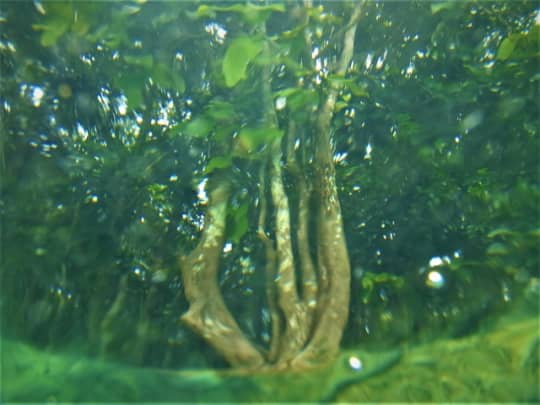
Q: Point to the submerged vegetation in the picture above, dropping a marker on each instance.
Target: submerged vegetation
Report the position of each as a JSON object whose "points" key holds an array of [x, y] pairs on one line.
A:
{"points": [[281, 177]]}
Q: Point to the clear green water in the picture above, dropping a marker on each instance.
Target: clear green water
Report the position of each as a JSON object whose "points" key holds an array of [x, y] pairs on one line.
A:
{"points": [[116, 119]]}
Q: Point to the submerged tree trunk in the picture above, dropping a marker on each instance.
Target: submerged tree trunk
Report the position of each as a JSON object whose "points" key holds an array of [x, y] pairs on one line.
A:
{"points": [[208, 314], [309, 314]]}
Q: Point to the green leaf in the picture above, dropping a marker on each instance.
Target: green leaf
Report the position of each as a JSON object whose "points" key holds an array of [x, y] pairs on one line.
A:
{"points": [[298, 98], [156, 188], [130, 9], [199, 128], [240, 53], [303, 100], [295, 32], [523, 45], [250, 13], [252, 138], [287, 92], [497, 249], [131, 84], [175, 130], [80, 26], [179, 83], [445, 5], [64, 17], [50, 36], [109, 37], [370, 280], [55, 10], [161, 74], [218, 162], [165, 77], [319, 14], [254, 14], [221, 111], [296, 68], [503, 231], [340, 105], [238, 221], [145, 61], [338, 80], [359, 90], [205, 10], [506, 47], [224, 133], [535, 233]]}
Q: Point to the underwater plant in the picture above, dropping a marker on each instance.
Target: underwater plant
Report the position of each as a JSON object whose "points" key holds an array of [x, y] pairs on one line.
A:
{"points": [[307, 290]]}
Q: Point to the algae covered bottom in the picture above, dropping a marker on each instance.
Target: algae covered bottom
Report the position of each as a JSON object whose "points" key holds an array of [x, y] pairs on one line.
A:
{"points": [[500, 365]]}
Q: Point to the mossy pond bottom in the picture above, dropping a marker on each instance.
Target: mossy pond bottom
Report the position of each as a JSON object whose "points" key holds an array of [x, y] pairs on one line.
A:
{"points": [[501, 364]]}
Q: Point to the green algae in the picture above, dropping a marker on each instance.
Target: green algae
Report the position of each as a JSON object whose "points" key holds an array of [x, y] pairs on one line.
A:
{"points": [[498, 365], [31, 375]]}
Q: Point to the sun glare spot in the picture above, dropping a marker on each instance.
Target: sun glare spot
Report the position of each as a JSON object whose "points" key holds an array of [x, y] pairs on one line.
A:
{"points": [[201, 191]]}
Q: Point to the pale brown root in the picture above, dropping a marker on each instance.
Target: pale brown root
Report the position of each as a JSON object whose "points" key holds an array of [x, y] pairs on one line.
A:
{"points": [[208, 314], [332, 256]]}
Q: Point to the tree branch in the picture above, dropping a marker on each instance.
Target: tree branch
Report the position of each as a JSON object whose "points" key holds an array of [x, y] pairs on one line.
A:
{"points": [[208, 314], [333, 259]]}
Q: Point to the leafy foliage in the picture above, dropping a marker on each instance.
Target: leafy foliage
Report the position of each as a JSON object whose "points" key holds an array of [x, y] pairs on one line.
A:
{"points": [[237, 57], [109, 132]]}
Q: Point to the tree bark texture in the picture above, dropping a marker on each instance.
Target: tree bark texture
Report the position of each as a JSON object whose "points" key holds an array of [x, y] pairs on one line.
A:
{"points": [[208, 315]]}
